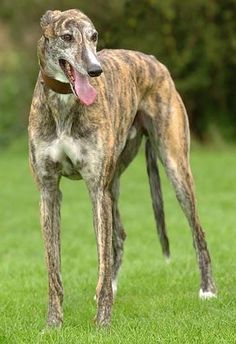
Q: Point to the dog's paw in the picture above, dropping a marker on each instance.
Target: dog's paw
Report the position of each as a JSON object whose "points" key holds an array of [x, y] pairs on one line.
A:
{"points": [[167, 259], [206, 295]]}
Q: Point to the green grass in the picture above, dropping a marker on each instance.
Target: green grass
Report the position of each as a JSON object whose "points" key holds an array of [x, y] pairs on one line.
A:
{"points": [[156, 302]]}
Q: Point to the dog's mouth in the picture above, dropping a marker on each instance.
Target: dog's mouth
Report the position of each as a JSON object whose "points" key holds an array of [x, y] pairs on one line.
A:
{"points": [[79, 83]]}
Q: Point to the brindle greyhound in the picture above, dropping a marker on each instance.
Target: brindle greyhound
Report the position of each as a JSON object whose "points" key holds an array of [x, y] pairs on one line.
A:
{"points": [[91, 128]]}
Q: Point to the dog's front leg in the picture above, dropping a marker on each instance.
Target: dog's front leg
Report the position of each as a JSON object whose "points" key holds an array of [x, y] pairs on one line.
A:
{"points": [[50, 221], [102, 212]]}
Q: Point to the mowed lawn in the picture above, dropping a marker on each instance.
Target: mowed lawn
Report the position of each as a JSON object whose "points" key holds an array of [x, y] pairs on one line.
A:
{"points": [[156, 302]]}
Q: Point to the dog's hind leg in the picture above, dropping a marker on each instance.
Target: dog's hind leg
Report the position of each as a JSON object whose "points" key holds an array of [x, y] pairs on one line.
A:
{"points": [[178, 171], [157, 199], [170, 132], [118, 235]]}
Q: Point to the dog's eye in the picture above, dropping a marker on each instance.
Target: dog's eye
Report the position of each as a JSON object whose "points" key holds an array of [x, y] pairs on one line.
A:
{"points": [[67, 37], [94, 37]]}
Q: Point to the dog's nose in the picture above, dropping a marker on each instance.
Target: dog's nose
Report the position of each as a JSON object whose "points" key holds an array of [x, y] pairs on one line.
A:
{"points": [[94, 70]]}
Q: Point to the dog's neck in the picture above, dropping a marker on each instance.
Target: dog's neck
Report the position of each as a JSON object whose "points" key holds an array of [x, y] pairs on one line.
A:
{"points": [[52, 83], [56, 85]]}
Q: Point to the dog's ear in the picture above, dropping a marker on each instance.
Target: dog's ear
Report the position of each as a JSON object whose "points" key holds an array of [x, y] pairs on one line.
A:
{"points": [[48, 18]]}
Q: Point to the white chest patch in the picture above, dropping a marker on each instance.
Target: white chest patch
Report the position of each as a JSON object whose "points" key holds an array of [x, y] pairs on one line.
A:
{"points": [[84, 158], [63, 147]]}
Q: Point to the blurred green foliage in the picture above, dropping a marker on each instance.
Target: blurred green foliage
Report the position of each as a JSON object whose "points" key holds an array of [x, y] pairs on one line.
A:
{"points": [[195, 39]]}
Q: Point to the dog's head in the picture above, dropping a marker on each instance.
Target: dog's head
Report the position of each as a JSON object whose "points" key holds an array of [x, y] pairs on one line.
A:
{"points": [[67, 51]]}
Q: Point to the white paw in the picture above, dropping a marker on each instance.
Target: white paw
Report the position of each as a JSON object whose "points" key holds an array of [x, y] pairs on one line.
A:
{"points": [[205, 295], [167, 260]]}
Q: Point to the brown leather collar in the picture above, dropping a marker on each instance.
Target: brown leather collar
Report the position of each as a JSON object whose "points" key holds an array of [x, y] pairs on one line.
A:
{"points": [[55, 85]]}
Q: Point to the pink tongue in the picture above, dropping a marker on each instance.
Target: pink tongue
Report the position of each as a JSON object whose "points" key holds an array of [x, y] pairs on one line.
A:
{"points": [[85, 92]]}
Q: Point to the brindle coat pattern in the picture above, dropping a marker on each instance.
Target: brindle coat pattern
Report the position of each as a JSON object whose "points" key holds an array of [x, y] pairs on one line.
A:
{"points": [[136, 98]]}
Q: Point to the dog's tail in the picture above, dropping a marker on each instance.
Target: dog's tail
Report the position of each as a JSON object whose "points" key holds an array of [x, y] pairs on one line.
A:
{"points": [[157, 199]]}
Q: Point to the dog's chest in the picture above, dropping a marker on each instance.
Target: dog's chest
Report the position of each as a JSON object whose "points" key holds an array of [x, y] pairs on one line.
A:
{"points": [[64, 148], [74, 147], [76, 157]]}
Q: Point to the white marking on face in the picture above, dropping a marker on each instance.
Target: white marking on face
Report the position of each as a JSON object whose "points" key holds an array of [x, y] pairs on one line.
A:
{"points": [[205, 295], [92, 57]]}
